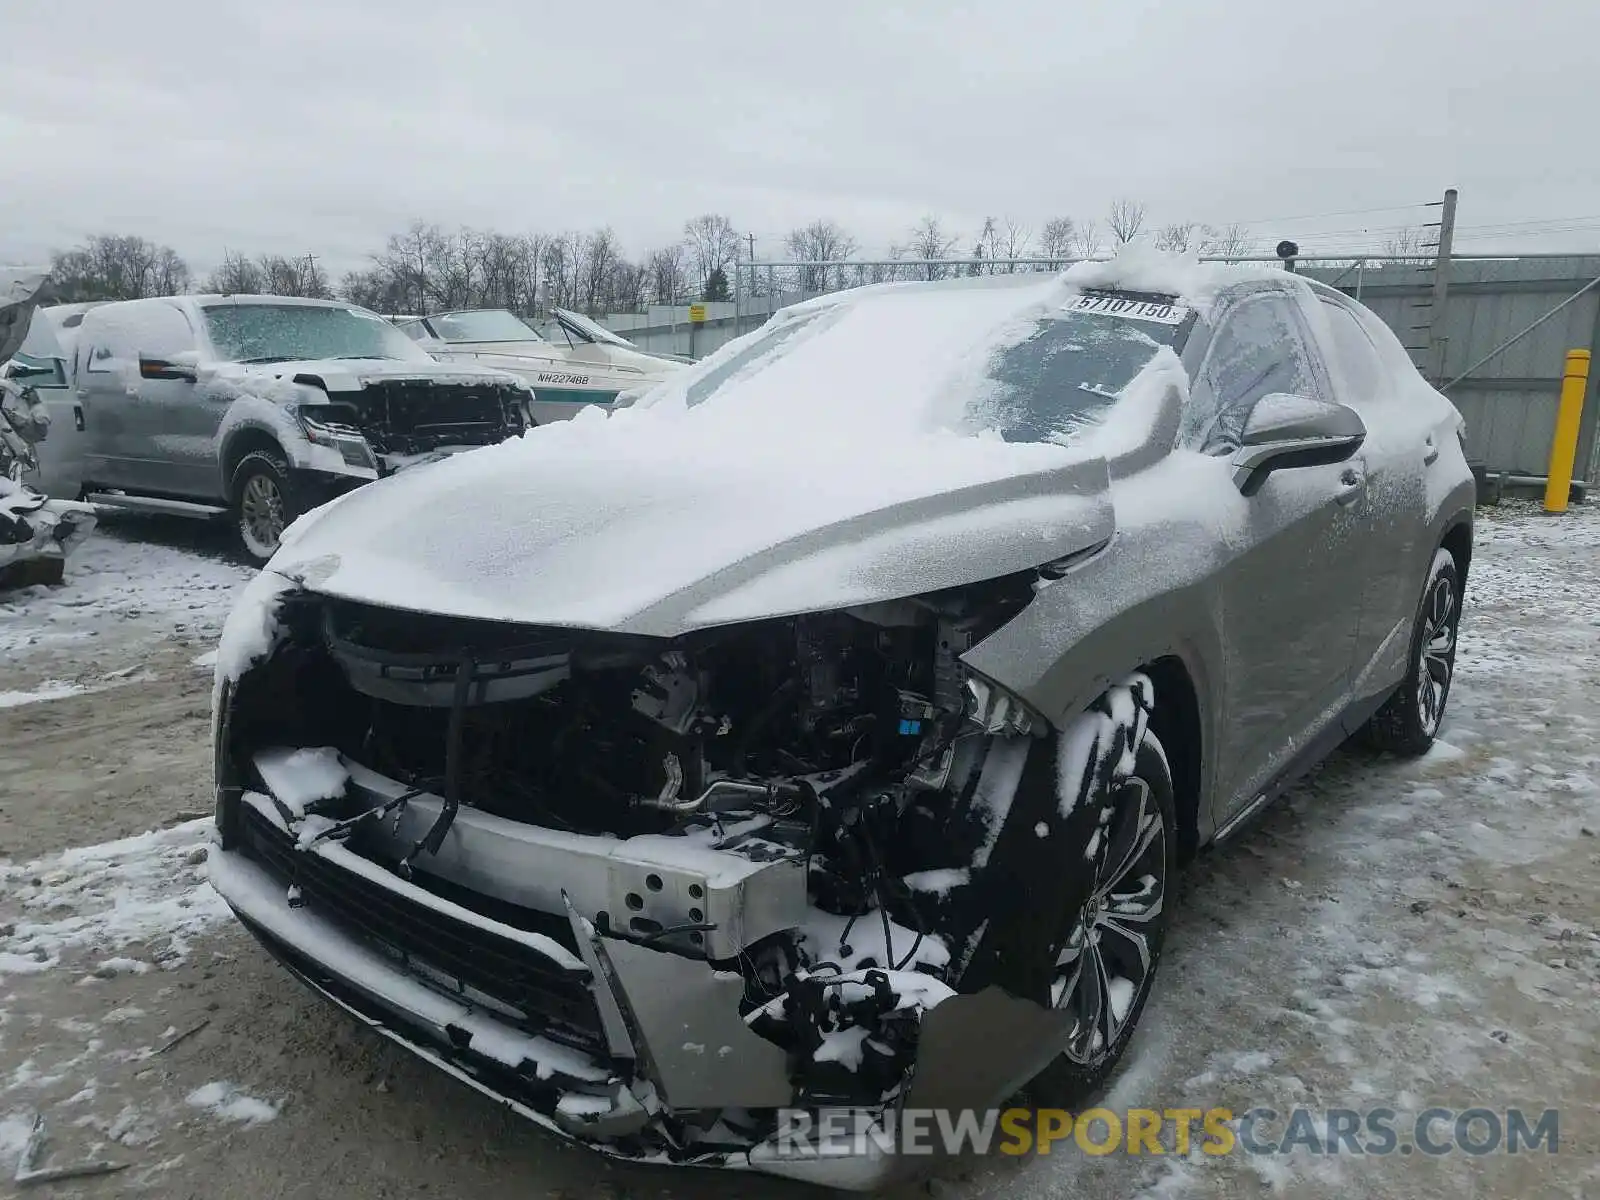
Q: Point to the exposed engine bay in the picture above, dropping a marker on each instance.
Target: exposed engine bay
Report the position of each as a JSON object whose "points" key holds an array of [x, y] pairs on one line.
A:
{"points": [[754, 797], [416, 416]]}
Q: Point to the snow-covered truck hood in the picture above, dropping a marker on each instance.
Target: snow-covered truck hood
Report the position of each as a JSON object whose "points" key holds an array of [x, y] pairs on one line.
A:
{"points": [[351, 375], [617, 535]]}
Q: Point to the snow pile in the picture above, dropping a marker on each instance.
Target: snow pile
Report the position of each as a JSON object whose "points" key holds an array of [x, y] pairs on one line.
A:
{"points": [[227, 1103], [1138, 267], [117, 584], [50, 689], [252, 627], [138, 889], [299, 778]]}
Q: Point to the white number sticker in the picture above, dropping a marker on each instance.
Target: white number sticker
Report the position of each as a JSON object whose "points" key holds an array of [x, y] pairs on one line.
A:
{"points": [[1122, 306]]}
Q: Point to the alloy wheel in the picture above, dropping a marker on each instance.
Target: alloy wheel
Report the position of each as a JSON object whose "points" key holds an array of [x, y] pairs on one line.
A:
{"points": [[1437, 652], [261, 511], [1107, 959]]}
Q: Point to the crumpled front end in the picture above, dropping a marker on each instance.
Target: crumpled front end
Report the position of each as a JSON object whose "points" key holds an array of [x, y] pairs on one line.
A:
{"points": [[37, 534], [649, 892]]}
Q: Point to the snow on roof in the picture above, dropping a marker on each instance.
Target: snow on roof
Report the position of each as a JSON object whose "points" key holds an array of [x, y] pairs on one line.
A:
{"points": [[1142, 268]]}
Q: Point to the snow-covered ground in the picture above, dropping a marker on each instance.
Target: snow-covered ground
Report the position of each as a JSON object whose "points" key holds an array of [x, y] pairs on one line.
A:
{"points": [[1392, 934]]}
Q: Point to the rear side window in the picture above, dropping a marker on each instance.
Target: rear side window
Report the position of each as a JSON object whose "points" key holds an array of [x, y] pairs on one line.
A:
{"points": [[1353, 352], [41, 372], [1258, 349]]}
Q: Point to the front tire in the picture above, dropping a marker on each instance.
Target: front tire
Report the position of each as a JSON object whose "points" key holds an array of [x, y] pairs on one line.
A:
{"points": [[1109, 947], [264, 502], [1075, 894], [1409, 720]]}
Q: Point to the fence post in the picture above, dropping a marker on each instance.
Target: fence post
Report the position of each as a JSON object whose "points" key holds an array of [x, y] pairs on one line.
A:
{"points": [[1564, 446], [1441, 285]]}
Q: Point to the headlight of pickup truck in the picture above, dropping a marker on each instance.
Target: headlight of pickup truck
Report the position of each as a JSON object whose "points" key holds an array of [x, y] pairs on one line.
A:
{"points": [[347, 440]]}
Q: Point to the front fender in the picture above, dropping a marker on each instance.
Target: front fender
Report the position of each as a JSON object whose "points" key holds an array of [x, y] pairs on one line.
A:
{"points": [[251, 417]]}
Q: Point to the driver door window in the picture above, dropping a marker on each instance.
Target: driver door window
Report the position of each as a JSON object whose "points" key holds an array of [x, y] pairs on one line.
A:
{"points": [[1258, 349]]}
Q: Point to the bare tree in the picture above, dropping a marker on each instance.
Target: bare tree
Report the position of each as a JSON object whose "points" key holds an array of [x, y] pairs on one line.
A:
{"points": [[237, 276], [600, 262], [563, 269], [118, 267], [1014, 240], [1125, 219], [823, 240], [669, 282], [1230, 243], [1403, 243], [279, 276], [985, 248], [1086, 241], [713, 245], [930, 242], [1058, 239], [1179, 237]]}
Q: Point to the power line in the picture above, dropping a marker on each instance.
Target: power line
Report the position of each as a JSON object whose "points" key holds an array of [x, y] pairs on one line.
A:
{"points": [[1348, 212]]}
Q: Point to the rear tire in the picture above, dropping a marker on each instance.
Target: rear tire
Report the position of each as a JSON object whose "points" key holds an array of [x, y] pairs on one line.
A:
{"points": [[264, 503], [1409, 720]]}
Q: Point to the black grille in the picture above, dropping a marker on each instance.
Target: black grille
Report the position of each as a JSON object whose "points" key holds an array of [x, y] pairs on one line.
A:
{"points": [[556, 1002], [410, 416]]}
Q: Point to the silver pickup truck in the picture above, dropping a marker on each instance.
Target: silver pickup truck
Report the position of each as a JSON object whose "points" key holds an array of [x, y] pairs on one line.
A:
{"points": [[262, 407]]}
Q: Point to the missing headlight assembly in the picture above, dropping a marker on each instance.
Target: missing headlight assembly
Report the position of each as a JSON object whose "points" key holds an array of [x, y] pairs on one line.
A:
{"points": [[673, 884]]}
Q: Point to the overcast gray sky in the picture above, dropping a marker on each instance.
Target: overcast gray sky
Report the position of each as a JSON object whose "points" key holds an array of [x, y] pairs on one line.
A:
{"points": [[323, 125]]}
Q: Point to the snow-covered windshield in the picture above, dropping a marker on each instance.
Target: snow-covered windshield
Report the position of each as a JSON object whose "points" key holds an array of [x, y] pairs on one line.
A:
{"points": [[1033, 363], [484, 325], [265, 333], [1067, 374]]}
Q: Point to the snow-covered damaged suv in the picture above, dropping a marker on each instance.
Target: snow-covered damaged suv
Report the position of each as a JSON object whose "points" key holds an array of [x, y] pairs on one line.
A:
{"points": [[824, 732], [266, 406]]}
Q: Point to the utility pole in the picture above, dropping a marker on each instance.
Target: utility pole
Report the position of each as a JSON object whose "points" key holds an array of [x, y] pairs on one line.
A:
{"points": [[1441, 286]]}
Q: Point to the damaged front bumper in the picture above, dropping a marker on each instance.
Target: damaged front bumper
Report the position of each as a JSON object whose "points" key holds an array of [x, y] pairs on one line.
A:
{"points": [[33, 528], [572, 977]]}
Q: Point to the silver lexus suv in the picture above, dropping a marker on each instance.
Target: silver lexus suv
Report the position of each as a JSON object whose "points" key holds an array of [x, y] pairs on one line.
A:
{"points": [[823, 733]]}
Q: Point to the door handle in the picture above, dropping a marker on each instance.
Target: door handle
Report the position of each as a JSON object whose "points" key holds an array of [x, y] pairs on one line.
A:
{"points": [[1351, 484], [1430, 451]]}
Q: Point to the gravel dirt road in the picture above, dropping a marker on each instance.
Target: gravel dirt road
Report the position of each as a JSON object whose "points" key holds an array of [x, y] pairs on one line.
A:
{"points": [[1395, 934]]}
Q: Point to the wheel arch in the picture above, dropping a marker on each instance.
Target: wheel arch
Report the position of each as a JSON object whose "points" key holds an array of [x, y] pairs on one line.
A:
{"points": [[1176, 721], [1458, 540], [245, 440]]}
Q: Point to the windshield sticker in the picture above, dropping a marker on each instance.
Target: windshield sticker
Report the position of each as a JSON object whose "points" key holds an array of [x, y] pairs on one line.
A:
{"points": [[1122, 306]]}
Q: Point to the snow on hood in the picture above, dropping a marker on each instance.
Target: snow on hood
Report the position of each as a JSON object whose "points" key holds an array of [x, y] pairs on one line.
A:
{"points": [[18, 289], [350, 375], [817, 473]]}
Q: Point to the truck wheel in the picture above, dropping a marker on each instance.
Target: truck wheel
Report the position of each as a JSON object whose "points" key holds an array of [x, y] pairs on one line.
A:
{"points": [[263, 502]]}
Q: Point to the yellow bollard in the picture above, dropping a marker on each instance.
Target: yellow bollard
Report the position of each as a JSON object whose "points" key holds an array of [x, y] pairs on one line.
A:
{"points": [[1564, 446]]}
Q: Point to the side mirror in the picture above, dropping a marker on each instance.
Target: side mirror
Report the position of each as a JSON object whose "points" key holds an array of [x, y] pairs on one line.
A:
{"points": [[21, 370], [1286, 431], [163, 368]]}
